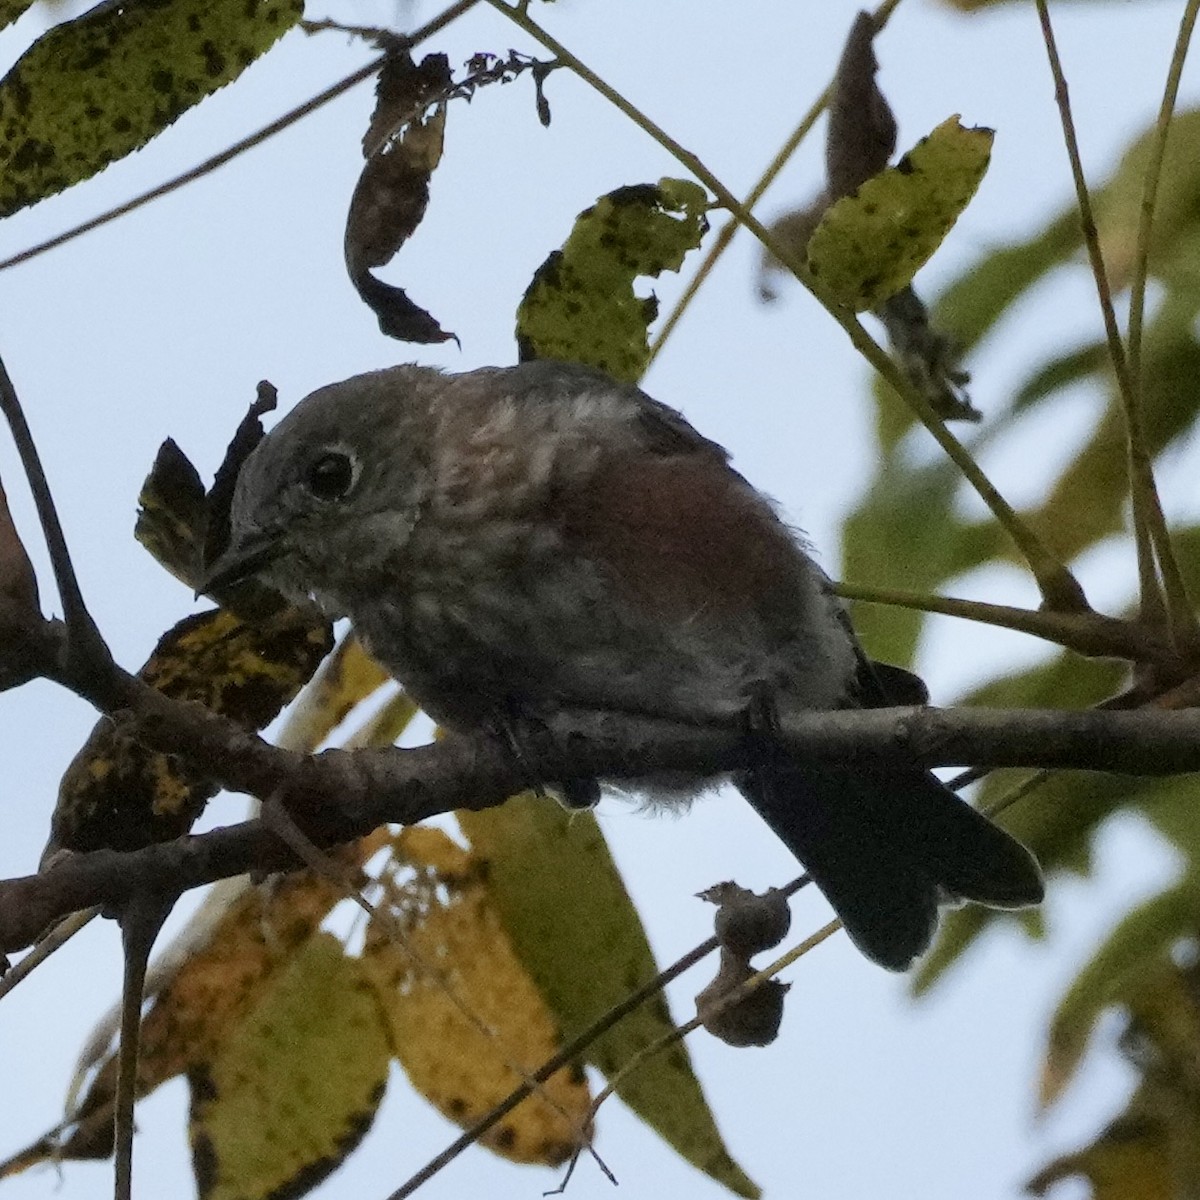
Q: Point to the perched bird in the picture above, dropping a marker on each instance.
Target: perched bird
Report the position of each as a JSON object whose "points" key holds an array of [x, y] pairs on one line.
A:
{"points": [[515, 540]]}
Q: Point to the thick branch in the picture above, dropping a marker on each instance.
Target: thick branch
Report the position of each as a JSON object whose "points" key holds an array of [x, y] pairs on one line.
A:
{"points": [[341, 795]]}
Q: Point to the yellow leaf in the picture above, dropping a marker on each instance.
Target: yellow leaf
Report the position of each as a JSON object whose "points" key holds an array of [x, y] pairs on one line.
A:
{"points": [[565, 907], [116, 793], [447, 938], [349, 675], [295, 1086], [870, 244]]}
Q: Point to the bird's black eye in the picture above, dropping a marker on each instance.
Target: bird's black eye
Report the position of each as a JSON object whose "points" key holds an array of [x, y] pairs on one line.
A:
{"points": [[330, 476]]}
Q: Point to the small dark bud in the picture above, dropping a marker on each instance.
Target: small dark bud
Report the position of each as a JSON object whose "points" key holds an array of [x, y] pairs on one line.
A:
{"points": [[753, 1020], [746, 924]]}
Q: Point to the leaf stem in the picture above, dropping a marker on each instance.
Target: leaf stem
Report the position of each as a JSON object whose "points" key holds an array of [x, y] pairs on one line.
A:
{"points": [[1158, 150], [1179, 606], [568, 1053], [435, 25], [1059, 588], [727, 231], [55, 939], [1151, 535], [1089, 633]]}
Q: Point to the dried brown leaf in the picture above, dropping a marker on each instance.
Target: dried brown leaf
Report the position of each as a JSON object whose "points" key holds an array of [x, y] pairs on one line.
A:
{"points": [[116, 793], [402, 146], [862, 130]]}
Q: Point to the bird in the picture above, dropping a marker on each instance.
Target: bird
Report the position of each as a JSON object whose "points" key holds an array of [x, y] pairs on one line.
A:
{"points": [[514, 541]]}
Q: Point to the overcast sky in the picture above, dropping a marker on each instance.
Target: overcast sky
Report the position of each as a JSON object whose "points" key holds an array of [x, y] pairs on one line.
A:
{"points": [[161, 325]]}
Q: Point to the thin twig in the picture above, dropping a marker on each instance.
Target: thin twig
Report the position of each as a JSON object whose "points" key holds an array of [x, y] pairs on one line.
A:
{"points": [[86, 650], [58, 937], [1183, 621], [1060, 589], [1019, 791], [1151, 535], [1089, 633], [140, 923], [732, 997], [451, 13], [276, 817], [727, 231], [1154, 166], [572, 1050]]}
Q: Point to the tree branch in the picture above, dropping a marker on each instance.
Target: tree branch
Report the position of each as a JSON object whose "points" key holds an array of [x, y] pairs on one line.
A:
{"points": [[410, 40], [339, 795]]}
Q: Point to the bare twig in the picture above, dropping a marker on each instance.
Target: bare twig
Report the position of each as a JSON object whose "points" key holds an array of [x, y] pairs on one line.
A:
{"points": [[727, 231], [571, 1051], [141, 920], [57, 937], [1060, 589], [1151, 535], [438, 23], [86, 650], [1158, 150], [1089, 632]]}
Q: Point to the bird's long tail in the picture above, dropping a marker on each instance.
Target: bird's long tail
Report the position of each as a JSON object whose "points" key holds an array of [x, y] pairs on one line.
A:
{"points": [[888, 846]]}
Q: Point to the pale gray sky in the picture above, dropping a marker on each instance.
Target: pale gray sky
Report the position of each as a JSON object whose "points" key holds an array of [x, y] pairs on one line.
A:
{"points": [[161, 324]]}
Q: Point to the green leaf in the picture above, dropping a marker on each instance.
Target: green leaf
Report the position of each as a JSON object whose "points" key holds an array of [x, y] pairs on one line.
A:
{"points": [[10, 10], [973, 304], [295, 1087], [94, 89], [1087, 502], [581, 306], [1061, 372], [1132, 1158], [871, 243], [1137, 948], [574, 927], [1118, 204], [900, 535]]}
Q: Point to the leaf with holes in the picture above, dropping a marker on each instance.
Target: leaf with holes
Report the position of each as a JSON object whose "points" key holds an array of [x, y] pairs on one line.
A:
{"points": [[581, 306], [94, 89], [870, 243], [466, 1021], [570, 919]]}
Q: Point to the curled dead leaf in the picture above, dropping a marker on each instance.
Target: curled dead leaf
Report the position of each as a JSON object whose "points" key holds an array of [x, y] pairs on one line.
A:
{"points": [[402, 146]]}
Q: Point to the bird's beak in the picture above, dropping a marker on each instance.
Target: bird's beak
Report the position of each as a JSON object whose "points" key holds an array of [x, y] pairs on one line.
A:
{"points": [[240, 560]]}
